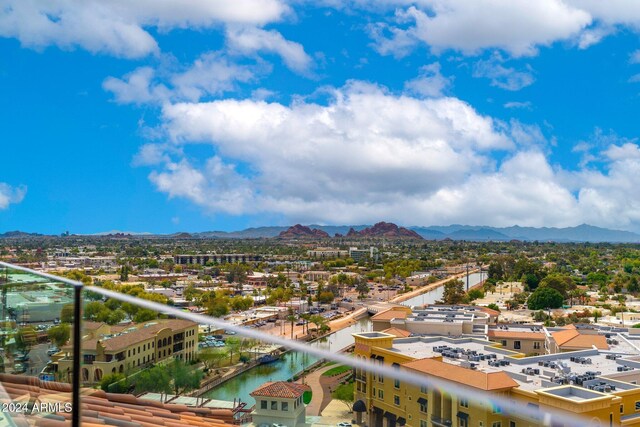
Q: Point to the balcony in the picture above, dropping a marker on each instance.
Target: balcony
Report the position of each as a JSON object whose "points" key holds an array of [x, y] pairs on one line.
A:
{"points": [[74, 382], [441, 422]]}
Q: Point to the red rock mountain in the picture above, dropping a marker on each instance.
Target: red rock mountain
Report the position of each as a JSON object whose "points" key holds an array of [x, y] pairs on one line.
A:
{"points": [[301, 232], [385, 229]]}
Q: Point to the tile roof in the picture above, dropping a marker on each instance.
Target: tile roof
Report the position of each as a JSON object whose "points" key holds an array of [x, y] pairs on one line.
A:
{"points": [[477, 379], [138, 336], [570, 337], [110, 409], [400, 333], [390, 314], [281, 389]]}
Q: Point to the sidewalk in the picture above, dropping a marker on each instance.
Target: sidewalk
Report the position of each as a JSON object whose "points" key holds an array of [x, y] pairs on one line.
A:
{"points": [[321, 386]]}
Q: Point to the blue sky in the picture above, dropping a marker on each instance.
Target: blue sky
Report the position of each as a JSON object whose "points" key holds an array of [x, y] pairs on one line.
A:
{"points": [[166, 116]]}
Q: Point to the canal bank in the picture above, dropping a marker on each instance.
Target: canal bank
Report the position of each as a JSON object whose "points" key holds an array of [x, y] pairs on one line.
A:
{"points": [[292, 363], [287, 367]]}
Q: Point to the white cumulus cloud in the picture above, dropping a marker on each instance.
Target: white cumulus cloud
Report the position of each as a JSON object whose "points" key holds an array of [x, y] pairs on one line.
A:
{"points": [[120, 27], [250, 40], [11, 195], [212, 74]]}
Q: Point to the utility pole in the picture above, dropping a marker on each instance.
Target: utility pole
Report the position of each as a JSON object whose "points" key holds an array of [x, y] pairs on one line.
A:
{"points": [[467, 275]]}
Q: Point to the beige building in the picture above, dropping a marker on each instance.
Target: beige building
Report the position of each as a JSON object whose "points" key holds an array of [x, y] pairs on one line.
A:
{"points": [[527, 340], [279, 403], [116, 349], [441, 320]]}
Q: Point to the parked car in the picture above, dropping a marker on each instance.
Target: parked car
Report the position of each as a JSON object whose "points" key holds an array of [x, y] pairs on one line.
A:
{"points": [[52, 351]]}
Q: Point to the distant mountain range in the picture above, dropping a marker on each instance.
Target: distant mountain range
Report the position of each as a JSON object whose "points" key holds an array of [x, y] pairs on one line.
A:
{"points": [[581, 233]]}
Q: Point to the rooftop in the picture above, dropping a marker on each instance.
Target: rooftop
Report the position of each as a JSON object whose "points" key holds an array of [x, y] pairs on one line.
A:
{"points": [[281, 389]]}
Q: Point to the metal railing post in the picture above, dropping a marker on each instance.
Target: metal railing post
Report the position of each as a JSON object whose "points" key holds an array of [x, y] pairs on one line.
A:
{"points": [[77, 354]]}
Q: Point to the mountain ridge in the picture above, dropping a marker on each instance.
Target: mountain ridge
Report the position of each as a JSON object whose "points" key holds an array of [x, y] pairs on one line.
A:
{"points": [[579, 233]]}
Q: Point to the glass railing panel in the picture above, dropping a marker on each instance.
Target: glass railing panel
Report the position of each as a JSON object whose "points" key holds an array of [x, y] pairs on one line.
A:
{"points": [[152, 358], [36, 332]]}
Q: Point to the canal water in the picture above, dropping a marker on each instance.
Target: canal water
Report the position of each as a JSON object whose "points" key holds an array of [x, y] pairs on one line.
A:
{"points": [[281, 370], [292, 362], [432, 296]]}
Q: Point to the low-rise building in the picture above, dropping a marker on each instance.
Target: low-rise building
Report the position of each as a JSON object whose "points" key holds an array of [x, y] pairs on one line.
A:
{"points": [[281, 403], [597, 386], [112, 349], [327, 253]]}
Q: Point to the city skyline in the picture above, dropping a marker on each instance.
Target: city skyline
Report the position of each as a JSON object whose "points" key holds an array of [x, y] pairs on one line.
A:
{"points": [[154, 118]]}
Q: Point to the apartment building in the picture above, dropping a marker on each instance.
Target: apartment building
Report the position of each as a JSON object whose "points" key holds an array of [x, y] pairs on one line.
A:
{"points": [[598, 386], [327, 253], [115, 349]]}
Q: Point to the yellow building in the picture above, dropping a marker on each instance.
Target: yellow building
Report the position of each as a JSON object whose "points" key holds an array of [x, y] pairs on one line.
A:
{"points": [[116, 349], [590, 386]]}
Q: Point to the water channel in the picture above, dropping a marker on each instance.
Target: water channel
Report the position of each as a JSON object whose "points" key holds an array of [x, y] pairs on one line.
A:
{"points": [[292, 363]]}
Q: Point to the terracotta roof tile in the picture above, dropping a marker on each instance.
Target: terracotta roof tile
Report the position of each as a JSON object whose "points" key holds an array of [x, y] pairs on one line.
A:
{"points": [[390, 314], [477, 379], [281, 389], [100, 409], [400, 333]]}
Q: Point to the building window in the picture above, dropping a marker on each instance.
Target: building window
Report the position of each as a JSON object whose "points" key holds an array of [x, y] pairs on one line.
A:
{"points": [[396, 400], [285, 406], [423, 404], [423, 389], [512, 424], [423, 423], [536, 345], [263, 404], [274, 405], [516, 345], [380, 394], [497, 410], [637, 405], [464, 403], [496, 424], [621, 409], [504, 343]]}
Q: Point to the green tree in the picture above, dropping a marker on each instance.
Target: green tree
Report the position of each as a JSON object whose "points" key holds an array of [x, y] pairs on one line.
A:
{"points": [[345, 394], [60, 334], [362, 287], [156, 379], [475, 294], [233, 344], [109, 379], [453, 292], [543, 298], [66, 314], [326, 297], [144, 315], [560, 282], [212, 357], [124, 273], [185, 377], [493, 306]]}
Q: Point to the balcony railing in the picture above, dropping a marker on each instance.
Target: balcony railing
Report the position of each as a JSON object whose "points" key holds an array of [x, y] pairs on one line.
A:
{"points": [[150, 387]]}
